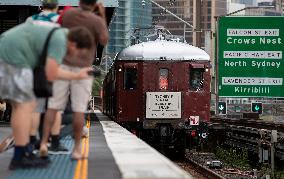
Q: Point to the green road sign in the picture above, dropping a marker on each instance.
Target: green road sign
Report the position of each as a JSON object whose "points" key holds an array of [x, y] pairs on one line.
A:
{"points": [[250, 54]]}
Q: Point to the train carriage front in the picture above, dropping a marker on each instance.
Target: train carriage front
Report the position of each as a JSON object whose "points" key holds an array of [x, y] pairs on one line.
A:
{"points": [[162, 91]]}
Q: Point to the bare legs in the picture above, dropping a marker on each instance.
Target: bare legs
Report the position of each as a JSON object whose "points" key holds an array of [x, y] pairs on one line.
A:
{"points": [[21, 121], [48, 122], [35, 123], [78, 123], [55, 130]]}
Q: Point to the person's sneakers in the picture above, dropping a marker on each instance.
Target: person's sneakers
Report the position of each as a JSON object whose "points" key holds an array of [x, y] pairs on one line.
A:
{"points": [[30, 161], [7, 143], [60, 149], [36, 145]]}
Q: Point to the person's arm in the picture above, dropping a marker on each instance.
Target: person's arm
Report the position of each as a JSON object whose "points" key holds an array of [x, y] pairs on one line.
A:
{"points": [[54, 72]]}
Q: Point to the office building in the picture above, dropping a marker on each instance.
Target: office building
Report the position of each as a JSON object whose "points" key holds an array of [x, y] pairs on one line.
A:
{"points": [[129, 15]]}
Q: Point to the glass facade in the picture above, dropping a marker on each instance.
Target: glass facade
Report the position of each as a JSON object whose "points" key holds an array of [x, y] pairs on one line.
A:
{"points": [[128, 16]]}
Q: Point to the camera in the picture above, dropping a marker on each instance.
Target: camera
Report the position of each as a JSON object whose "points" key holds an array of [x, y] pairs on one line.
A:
{"points": [[95, 72]]}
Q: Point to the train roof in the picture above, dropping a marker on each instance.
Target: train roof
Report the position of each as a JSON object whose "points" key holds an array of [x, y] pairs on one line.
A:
{"points": [[162, 50]]}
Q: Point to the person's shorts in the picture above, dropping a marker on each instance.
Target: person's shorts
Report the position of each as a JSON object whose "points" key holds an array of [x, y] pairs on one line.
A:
{"points": [[40, 105], [16, 83], [79, 91]]}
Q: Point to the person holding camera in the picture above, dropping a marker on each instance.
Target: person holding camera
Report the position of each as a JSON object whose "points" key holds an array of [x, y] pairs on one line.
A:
{"points": [[16, 75]]}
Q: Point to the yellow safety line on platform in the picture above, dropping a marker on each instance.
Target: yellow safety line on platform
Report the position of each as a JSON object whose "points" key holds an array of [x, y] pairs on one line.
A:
{"points": [[81, 171]]}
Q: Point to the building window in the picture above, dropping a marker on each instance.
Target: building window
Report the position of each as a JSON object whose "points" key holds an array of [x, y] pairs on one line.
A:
{"points": [[196, 78], [164, 79], [209, 10], [130, 78]]}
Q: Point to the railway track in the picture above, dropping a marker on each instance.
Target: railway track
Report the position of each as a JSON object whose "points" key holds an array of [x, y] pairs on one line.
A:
{"points": [[254, 123], [203, 171], [250, 134], [194, 163], [251, 130]]}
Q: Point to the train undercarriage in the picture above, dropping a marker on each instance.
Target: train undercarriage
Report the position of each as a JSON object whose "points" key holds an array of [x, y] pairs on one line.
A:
{"points": [[170, 137]]}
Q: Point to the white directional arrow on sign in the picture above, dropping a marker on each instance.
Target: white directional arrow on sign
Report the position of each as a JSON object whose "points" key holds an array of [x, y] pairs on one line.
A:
{"points": [[221, 107]]}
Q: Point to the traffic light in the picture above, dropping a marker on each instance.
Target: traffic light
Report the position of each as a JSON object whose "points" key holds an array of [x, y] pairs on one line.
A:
{"points": [[222, 108], [256, 107]]}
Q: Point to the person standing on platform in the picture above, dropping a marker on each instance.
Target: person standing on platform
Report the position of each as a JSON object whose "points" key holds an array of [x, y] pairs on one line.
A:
{"points": [[48, 17], [80, 89], [16, 76]]}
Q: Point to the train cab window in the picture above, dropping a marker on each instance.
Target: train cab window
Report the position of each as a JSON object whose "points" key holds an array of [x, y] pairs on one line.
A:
{"points": [[130, 78], [164, 79], [196, 78]]}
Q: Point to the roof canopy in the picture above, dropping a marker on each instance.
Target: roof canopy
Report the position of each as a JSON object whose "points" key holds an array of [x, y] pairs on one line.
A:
{"points": [[107, 3]]}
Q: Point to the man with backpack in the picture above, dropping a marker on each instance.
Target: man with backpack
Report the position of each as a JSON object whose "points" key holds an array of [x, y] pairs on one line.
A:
{"points": [[16, 75]]}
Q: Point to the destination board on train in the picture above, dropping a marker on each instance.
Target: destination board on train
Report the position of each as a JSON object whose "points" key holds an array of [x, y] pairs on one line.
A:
{"points": [[250, 56]]}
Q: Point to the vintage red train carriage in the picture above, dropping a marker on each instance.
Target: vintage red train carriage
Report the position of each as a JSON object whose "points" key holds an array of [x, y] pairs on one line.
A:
{"points": [[159, 90]]}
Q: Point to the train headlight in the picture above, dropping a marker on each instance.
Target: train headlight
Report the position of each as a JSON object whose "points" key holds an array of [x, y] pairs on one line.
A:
{"points": [[204, 135], [119, 69], [206, 69]]}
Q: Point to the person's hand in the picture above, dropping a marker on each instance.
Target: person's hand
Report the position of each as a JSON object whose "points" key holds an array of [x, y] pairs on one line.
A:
{"points": [[100, 10], [84, 73]]}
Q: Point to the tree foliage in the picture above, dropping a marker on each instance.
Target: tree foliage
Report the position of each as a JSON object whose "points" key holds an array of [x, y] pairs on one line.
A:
{"points": [[97, 84], [237, 158]]}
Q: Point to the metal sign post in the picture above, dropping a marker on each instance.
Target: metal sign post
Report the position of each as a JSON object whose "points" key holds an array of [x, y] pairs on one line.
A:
{"points": [[273, 140]]}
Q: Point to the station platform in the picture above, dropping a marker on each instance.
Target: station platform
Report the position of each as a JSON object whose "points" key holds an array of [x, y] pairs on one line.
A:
{"points": [[113, 153]]}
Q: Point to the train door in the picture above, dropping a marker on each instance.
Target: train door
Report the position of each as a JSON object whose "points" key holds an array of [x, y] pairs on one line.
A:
{"points": [[129, 95], [197, 98]]}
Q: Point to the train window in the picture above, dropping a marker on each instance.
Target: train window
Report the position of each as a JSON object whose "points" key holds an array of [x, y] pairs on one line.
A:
{"points": [[196, 78], [163, 79], [130, 78]]}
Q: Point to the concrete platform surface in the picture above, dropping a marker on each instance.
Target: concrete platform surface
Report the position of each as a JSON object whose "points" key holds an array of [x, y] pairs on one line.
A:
{"points": [[113, 153]]}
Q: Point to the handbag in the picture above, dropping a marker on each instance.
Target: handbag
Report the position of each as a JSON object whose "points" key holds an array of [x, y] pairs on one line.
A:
{"points": [[43, 87]]}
